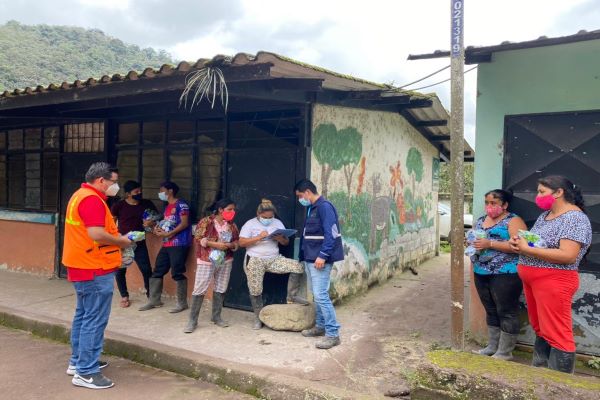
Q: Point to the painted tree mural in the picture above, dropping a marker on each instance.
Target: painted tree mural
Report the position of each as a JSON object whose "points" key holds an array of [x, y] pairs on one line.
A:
{"points": [[335, 150], [350, 153], [325, 140], [414, 167]]}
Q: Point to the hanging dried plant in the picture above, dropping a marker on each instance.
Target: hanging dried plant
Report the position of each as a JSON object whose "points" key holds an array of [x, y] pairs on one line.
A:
{"points": [[206, 83]]}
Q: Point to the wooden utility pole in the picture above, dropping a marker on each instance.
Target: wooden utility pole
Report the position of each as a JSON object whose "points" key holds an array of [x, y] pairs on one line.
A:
{"points": [[457, 148]]}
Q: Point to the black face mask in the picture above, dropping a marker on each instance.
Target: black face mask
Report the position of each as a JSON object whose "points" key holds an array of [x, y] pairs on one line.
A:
{"points": [[137, 197]]}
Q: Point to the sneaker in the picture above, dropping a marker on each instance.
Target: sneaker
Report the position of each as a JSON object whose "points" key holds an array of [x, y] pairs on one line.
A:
{"points": [[93, 381], [328, 342], [72, 370], [313, 332]]}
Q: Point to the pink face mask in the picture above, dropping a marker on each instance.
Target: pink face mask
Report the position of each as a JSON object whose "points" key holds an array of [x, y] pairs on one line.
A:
{"points": [[494, 211], [545, 202]]}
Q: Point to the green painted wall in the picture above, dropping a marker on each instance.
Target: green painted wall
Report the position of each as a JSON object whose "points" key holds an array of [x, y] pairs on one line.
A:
{"points": [[540, 80]]}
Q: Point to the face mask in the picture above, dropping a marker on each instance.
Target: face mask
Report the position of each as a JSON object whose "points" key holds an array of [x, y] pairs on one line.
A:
{"points": [[137, 197], [265, 221], [545, 202], [163, 196], [112, 190], [304, 202], [494, 211], [228, 215]]}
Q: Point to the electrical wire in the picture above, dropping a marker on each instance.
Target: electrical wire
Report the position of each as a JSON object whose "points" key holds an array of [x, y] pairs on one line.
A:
{"points": [[425, 77], [444, 81]]}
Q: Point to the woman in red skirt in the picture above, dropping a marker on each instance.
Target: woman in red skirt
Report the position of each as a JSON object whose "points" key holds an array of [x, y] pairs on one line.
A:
{"points": [[549, 275]]}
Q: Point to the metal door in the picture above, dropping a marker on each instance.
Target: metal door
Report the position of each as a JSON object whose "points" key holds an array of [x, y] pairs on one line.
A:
{"points": [[564, 144], [253, 174]]}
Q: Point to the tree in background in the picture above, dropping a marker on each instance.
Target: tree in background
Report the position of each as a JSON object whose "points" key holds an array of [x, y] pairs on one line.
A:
{"points": [[33, 55]]}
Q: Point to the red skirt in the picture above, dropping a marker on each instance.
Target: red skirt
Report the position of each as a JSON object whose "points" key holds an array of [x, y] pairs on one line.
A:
{"points": [[549, 295]]}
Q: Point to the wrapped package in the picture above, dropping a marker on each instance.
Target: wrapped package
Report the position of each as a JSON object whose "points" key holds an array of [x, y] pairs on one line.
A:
{"points": [[136, 236], [128, 255], [533, 239], [472, 235]]}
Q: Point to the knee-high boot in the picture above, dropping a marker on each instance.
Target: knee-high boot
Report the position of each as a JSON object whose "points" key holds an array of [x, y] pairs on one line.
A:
{"points": [[194, 312], [156, 286], [293, 289], [217, 307], [257, 305], [181, 297]]}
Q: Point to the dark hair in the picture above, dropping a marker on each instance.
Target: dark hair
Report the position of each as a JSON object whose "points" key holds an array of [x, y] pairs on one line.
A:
{"points": [[304, 185], [100, 170], [130, 186], [505, 196], [221, 204], [572, 193], [170, 186]]}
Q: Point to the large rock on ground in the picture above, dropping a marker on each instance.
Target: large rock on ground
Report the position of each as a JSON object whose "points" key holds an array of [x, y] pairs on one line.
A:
{"points": [[288, 317]]}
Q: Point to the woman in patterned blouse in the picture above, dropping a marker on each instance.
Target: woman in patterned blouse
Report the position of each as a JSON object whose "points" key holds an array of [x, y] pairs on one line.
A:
{"points": [[214, 234], [549, 275]]}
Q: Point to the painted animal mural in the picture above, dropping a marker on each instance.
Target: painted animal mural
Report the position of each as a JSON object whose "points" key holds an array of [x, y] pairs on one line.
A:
{"points": [[379, 217]]}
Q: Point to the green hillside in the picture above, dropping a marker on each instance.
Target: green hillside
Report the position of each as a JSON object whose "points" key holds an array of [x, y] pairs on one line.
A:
{"points": [[43, 54]]}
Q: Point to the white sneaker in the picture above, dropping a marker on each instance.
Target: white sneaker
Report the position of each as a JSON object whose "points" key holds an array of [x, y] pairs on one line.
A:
{"points": [[72, 370], [93, 381]]}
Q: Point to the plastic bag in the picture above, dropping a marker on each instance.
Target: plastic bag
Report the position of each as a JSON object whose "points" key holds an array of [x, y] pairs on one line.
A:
{"points": [[136, 236], [472, 236], [150, 215], [217, 258], [533, 239], [128, 255]]}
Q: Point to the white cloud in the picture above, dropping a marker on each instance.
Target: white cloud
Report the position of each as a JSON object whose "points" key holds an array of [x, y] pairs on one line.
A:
{"points": [[369, 39]]}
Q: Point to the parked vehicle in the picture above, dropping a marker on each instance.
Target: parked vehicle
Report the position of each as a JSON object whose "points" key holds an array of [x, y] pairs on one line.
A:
{"points": [[444, 213]]}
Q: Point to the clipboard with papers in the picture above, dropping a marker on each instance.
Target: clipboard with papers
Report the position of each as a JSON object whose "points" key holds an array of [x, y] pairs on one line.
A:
{"points": [[285, 232]]}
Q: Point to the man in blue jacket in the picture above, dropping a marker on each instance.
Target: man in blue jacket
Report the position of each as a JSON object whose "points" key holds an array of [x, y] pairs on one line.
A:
{"points": [[320, 247]]}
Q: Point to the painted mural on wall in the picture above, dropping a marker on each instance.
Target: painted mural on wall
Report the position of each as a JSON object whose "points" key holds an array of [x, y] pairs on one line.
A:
{"points": [[371, 165]]}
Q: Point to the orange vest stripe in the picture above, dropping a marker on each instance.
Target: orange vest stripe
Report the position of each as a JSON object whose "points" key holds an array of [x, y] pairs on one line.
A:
{"points": [[79, 250]]}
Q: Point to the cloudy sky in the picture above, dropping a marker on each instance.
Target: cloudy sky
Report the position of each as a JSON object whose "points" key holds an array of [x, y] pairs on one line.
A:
{"points": [[370, 39]]}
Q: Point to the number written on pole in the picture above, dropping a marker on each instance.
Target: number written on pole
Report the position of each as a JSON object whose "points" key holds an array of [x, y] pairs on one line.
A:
{"points": [[457, 27]]}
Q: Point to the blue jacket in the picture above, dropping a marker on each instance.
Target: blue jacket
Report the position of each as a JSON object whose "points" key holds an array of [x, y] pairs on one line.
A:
{"points": [[321, 236]]}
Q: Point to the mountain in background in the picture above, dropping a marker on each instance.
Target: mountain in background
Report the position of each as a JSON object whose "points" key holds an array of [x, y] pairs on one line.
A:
{"points": [[32, 55]]}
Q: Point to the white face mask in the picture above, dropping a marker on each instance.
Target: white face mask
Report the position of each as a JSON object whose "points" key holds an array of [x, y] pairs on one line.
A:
{"points": [[163, 196], [112, 190]]}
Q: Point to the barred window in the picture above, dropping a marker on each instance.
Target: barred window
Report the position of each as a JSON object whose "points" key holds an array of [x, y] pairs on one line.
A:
{"points": [[84, 138]]}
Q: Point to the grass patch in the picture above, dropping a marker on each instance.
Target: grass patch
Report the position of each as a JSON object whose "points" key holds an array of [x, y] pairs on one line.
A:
{"points": [[445, 247]]}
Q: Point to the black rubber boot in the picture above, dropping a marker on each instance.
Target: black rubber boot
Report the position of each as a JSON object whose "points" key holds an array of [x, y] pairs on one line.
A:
{"points": [[506, 346], [217, 307], [194, 312], [293, 289], [562, 361], [181, 297], [493, 340], [156, 286], [541, 352], [257, 305]]}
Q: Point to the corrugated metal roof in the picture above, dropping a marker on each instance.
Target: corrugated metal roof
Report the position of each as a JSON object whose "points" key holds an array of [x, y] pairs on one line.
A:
{"points": [[474, 55]]}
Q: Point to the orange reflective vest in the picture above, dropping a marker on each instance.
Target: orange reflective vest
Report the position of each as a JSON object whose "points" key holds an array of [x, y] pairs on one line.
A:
{"points": [[79, 250]]}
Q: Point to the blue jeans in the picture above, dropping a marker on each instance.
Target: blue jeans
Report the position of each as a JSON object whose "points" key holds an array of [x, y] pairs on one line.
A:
{"points": [[91, 317], [325, 313]]}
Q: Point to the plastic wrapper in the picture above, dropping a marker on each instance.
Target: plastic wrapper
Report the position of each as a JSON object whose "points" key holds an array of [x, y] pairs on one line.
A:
{"points": [[128, 255], [217, 258], [166, 225], [151, 215], [472, 236], [533, 239], [136, 236]]}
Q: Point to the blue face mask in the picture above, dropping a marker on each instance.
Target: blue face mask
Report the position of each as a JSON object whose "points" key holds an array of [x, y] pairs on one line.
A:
{"points": [[265, 221], [304, 202]]}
